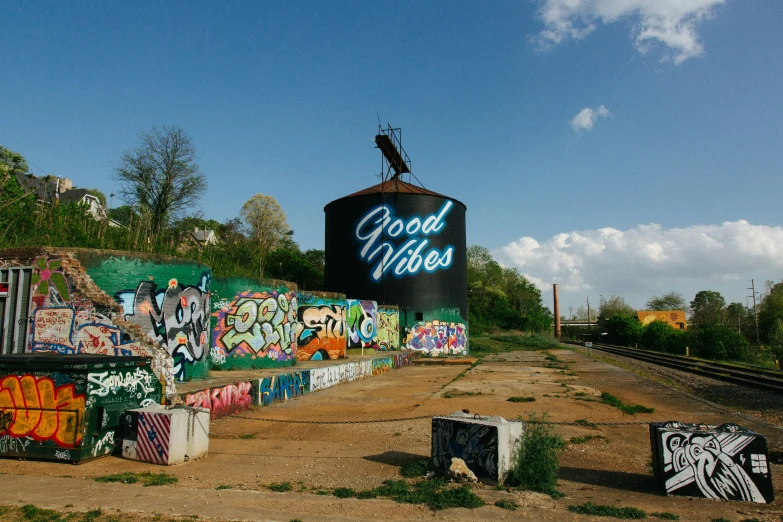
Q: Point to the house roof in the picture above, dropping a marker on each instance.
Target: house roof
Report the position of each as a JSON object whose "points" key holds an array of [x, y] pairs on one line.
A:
{"points": [[44, 189], [203, 235], [74, 195]]}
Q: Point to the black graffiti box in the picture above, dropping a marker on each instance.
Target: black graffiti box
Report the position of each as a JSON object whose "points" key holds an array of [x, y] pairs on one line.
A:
{"points": [[485, 444], [726, 462]]}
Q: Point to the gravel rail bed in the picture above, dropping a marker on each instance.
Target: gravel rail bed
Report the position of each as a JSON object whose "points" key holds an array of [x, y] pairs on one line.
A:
{"points": [[763, 404]]}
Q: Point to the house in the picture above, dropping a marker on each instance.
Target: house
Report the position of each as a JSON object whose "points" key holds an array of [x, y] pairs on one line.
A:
{"points": [[204, 237], [53, 190]]}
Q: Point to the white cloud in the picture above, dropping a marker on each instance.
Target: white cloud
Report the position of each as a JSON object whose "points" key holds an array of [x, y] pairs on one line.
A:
{"points": [[671, 23], [650, 260], [587, 117]]}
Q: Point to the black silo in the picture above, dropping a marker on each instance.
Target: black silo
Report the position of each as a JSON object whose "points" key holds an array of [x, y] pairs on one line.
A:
{"points": [[425, 295]]}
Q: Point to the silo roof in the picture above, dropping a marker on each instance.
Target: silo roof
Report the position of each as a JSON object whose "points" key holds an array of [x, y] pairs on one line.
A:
{"points": [[396, 185]]}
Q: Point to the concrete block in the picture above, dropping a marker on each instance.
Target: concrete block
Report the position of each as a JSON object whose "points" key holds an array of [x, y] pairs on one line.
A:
{"points": [[160, 435], [486, 444], [726, 462], [197, 433]]}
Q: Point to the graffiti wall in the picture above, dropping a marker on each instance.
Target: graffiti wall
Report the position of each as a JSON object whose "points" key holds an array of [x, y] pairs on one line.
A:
{"points": [[66, 321], [362, 323], [726, 462], [223, 400], [322, 328], [167, 298], [436, 338], [283, 387], [254, 323], [70, 413], [388, 327], [476, 444]]}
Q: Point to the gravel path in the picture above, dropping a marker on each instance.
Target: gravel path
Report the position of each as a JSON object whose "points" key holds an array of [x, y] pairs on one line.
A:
{"points": [[758, 403]]}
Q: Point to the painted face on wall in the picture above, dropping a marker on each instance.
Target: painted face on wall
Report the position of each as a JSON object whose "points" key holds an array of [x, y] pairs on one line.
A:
{"points": [[399, 246]]}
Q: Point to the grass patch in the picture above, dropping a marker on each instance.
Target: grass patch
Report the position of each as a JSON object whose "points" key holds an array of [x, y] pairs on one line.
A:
{"points": [[92, 515], [223, 486], [665, 516], [536, 463], [526, 342], [248, 436], [630, 409], [598, 510], [451, 394], [145, 477], [585, 439], [417, 468], [280, 487], [585, 422], [507, 504], [36, 514], [521, 399], [344, 493]]}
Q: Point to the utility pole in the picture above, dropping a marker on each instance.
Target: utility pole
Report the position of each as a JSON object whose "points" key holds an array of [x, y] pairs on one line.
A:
{"points": [[755, 312], [588, 317]]}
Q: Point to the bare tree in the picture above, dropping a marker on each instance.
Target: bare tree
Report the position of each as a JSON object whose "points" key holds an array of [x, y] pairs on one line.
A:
{"points": [[160, 177]]}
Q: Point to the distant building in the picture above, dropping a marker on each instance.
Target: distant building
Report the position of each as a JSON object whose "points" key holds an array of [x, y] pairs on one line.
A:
{"points": [[51, 190], [204, 237], [675, 318]]}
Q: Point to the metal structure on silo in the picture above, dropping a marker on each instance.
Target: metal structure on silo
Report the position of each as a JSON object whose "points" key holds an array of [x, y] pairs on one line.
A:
{"points": [[400, 244]]}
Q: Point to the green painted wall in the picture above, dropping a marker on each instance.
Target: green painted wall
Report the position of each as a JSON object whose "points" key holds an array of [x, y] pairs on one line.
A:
{"points": [[167, 297], [254, 323]]}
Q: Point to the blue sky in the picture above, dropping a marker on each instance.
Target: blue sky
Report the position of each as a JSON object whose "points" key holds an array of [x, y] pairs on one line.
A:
{"points": [[281, 99]]}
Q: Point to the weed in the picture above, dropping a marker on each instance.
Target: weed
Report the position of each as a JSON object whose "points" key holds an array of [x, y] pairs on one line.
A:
{"points": [[665, 516], [585, 422], [451, 394], [536, 463], [461, 497], [397, 434], [524, 342], [248, 436], [721, 519], [417, 468], [551, 358], [586, 438], [580, 394], [750, 520], [280, 487], [370, 493], [66, 505], [223, 486], [36, 514], [295, 520], [611, 400], [344, 493], [321, 492], [507, 504], [607, 511], [433, 493], [145, 477], [521, 399], [92, 515]]}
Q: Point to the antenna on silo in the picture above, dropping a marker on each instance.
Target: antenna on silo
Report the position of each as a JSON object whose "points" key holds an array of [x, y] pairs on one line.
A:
{"points": [[389, 140]]}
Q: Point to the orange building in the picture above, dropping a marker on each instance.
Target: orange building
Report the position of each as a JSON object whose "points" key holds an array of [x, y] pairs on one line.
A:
{"points": [[676, 318]]}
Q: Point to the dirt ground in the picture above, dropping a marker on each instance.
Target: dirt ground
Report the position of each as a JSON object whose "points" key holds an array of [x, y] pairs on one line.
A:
{"points": [[248, 453]]}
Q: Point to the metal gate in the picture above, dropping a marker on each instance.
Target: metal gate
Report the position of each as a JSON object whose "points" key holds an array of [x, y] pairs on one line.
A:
{"points": [[14, 308]]}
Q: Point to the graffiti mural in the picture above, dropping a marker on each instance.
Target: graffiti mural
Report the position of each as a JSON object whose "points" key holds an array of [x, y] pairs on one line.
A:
{"points": [[476, 444], [436, 338], [381, 365], [283, 387], [223, 400], [120, 385], [256, 325], [410, 256], [388, 328], [37, 408], [322, 330], [726, 462], [176, 317], [361, 323]]}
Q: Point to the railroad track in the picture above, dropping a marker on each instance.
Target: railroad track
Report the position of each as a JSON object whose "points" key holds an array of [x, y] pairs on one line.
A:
{"points": [[754, 377]]}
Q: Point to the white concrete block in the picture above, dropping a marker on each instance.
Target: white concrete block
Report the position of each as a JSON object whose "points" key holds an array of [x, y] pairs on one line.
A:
{"points": [[486, 444], [197, 433], [160, 436]]}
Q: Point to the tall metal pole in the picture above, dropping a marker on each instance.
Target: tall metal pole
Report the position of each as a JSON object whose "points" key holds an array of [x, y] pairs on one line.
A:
{"points": [[558, 331], [755, 312], [588, 317]]}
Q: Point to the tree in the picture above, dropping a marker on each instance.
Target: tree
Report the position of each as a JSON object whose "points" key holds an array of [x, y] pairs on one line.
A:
{"points": [[160, 177], [581, 314], [668, 301], [771, 312], [267, 224], [615, 306], [624, 330], [707, 309]]}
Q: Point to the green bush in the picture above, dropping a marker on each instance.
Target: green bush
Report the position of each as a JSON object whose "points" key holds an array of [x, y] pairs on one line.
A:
{"points": [[623, 330], [598, 510], [536, 463], [719, 342], [417, 468]]}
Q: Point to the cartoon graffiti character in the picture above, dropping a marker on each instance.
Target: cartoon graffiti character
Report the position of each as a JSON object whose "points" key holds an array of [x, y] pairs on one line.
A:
{"points": [[707, 461]]}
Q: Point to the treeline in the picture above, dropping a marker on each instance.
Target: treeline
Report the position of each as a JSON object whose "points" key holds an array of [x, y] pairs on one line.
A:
{"points": [[502, 298], [715, 330], [25, 221]]}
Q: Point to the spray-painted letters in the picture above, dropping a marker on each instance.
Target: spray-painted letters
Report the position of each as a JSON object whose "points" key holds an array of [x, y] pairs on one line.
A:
{"points": [[361, 321], [438, 338], [283, 387], [322, 330], [223, 400], [388, 328]]}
